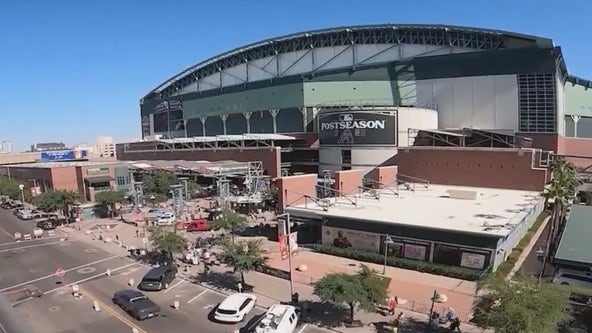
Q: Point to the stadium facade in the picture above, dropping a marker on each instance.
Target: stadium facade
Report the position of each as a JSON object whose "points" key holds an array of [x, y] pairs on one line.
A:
{"points": [[363, 91]]}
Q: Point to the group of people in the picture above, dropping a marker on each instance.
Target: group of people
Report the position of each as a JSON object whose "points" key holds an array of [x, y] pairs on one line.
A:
{"points": [[434, 322]]}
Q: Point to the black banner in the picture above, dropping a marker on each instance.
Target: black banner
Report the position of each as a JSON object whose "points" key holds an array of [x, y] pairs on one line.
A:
{"points": [[351, 128], [278, 273]]}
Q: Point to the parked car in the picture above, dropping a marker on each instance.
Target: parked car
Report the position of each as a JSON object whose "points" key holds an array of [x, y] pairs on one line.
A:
{"points": [[279, 318], [571, 277], [49, 224], [136, 304], [235, 308], [166, 219], [158, 278]]}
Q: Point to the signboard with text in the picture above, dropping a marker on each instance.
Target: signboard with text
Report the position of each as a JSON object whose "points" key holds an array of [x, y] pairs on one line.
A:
{"points": [[62, 155], [350, 128]]}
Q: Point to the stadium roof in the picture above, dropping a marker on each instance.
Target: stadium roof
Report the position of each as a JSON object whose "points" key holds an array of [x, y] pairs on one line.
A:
{"points": [[445, 35]]}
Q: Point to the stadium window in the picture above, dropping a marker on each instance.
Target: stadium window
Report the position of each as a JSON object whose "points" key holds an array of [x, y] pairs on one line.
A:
{"points": [[120, 181]]}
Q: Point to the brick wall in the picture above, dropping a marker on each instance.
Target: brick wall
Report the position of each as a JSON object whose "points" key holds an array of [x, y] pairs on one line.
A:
{"points": [[480, 167], [385, 176], [65, 178], [293, 190], [348, 181]]}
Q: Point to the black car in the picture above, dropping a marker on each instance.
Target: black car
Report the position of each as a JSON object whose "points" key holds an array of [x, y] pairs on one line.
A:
{"points": [[158, 278], [51, 223], [136, 304]]}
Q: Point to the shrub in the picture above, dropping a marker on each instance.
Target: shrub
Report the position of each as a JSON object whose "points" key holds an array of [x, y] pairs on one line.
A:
{"points": [[416, 265]]}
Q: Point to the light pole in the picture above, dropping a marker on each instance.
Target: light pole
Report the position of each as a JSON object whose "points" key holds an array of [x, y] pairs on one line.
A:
{"points": [[387, 241], [288, 229], [22, 188]]}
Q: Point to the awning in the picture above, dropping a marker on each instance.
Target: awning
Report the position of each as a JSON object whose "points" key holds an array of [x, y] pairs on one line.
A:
{"points": [[99, 179]]}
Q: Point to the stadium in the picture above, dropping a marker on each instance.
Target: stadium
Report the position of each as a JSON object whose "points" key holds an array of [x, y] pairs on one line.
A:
{"points": [[354, 97]]}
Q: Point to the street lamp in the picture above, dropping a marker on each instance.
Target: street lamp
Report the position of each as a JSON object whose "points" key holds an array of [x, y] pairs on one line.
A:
{"points": [[387, 241], [288, 229], [22, 188], [152, 198]]}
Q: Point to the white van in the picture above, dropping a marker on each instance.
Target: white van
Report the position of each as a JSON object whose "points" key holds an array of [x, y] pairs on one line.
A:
{"points": [[278, 319], [570, 277], [166, 219]]}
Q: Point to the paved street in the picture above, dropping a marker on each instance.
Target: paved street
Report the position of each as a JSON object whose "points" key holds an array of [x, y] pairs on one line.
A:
{"points": [[31, 266]]}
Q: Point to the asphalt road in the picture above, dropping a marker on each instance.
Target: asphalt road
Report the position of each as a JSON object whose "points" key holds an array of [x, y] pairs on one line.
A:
{"points": [[30, 265]]}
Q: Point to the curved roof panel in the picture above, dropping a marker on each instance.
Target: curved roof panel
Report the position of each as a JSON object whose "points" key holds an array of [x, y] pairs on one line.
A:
{"points": [[443, 35]]}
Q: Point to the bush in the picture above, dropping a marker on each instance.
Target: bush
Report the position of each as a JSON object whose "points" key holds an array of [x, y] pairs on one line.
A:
{"points": [[416, 265]]}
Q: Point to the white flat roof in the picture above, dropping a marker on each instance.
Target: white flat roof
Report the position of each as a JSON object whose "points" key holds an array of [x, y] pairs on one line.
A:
{"points": [[494, 212], [222, 138], [57, 164]]}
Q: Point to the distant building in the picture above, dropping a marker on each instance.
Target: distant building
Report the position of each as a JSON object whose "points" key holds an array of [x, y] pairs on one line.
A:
{"points": [[104, 147], [5, 147], [48, 146]]}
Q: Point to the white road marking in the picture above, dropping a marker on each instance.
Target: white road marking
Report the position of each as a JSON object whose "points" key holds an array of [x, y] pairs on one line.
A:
{"points": [[29, 246], [175, 285], [52, 275], [63, 288], [303, 328], [27, 241], [209, 306], [196, 297]]}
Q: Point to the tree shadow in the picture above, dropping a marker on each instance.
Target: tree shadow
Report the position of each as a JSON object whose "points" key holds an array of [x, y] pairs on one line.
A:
{"points": [[410, 324], [323, 314], [227, 281]]}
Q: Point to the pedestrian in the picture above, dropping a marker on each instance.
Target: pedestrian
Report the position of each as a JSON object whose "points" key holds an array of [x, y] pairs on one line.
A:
{"points": [[455, 325], [137, 233], [392, 305]]}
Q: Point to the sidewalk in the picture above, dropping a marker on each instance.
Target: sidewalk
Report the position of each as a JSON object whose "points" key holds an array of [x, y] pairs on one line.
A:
{"points": [[413, 295]]}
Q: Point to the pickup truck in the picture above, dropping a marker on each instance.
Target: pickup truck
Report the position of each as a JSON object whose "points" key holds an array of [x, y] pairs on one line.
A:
{"points": [[136, 304]]}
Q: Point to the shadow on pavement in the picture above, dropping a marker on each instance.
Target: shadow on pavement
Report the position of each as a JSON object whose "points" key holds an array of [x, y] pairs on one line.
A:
{"points": [[323, 314], [225, 281]]}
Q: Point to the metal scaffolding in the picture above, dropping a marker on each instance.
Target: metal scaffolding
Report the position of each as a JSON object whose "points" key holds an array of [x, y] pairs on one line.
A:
{"points": [[467, 137]]}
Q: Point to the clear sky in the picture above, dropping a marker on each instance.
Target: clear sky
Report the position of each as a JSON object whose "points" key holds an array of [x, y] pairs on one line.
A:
{"points": [[72, 70]]}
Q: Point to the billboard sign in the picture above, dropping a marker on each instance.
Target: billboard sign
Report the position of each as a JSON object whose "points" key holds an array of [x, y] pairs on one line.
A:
{"points": [[62, 155], [350, 128]]}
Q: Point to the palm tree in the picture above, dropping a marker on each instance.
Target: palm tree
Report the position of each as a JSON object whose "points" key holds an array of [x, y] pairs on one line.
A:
{"points": [[561, 190]]}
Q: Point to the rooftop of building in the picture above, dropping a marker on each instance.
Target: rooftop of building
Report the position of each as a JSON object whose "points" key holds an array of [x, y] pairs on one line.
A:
{"points": [[485, 211], [575, 246], [48, 165]]}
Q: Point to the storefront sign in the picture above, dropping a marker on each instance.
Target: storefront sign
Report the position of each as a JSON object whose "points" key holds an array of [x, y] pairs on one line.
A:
{"points": [[472, 260], [97, 171], [357, 128], [417, 252], [344, 238]]}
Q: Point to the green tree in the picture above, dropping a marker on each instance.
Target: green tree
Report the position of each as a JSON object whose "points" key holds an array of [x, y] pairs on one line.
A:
{"points": [[10, 187], [54, 201], [243, 256], [110, 199], [166, 239], [231, 222], [193, 188], [561, 190], [362, 290], [523, 305], [159, 182]]}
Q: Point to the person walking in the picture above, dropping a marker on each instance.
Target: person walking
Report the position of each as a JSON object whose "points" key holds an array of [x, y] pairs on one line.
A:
{"points": [[392, 305], [455, 325]]}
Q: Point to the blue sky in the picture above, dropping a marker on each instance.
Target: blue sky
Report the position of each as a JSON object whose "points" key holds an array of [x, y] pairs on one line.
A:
{"points": [[73, 70]]}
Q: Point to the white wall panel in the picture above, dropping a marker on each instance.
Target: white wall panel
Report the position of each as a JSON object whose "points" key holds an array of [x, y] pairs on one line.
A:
{"points": [[368, 159], [462, 90], [560, 93], [414, 118], [506, 102], [210, 82], [488, 102], [411, 50], [364, 52], [262, 69], [327, 57], [189, 89], [296, 62], [234, 75], [483, 101], [384, 53]]}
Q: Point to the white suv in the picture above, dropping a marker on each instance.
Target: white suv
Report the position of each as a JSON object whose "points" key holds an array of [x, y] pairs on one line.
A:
{"points": [[235, 308], [569, 277]]}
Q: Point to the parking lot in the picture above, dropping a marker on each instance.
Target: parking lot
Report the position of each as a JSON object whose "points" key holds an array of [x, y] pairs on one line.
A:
{"points": [[196, 305]]}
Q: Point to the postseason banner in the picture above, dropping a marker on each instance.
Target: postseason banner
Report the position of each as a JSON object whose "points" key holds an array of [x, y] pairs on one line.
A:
{"points": [[358, 128]]}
